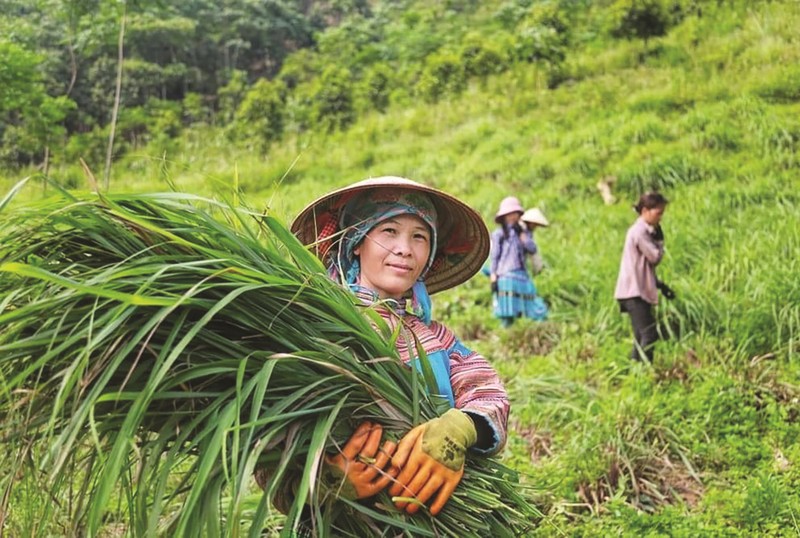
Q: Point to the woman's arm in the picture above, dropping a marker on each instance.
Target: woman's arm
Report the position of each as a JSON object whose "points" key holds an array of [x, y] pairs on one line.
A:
{"points": [[651, 249], [478, 391]]}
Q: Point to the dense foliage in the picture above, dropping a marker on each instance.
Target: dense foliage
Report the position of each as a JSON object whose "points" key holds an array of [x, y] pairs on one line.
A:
{"points": [[212, 61]]}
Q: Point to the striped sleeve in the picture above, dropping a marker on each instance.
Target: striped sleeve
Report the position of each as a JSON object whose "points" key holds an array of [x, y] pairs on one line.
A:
{"points": [[477, 388]]}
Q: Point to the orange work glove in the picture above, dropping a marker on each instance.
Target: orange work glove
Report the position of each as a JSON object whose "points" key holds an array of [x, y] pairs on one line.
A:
{"points": [[361, 463], [430, 460]]}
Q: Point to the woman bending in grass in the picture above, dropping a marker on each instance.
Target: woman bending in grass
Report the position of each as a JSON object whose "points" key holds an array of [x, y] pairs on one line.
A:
{"points": [[393, 242]]}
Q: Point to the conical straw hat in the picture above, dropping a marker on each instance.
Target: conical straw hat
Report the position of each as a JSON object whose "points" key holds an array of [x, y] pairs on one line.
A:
{"points": [[463, 239], [535, 216]]}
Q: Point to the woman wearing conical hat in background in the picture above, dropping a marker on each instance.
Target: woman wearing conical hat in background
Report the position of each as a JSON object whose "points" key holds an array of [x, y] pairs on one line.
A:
{"points": [[513, 292], [393, 242], [534, 218]]}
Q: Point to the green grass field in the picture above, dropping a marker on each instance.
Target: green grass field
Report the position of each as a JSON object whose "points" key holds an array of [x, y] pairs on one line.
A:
{"points": [[706, 441]]}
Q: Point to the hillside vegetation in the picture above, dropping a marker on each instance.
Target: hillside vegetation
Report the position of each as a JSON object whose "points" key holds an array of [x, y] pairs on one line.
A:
{"points": [[706, 441]]}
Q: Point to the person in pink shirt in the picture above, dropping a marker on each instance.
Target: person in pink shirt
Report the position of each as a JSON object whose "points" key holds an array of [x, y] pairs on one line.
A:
{"points": [[637, 285]]}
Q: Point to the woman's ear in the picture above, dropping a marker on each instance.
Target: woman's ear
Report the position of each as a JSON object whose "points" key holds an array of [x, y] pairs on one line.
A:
{"points": [[357, 251]]}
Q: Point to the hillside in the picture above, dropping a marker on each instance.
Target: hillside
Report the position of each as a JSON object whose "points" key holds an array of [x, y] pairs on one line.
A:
{"points": [[706, 441]]}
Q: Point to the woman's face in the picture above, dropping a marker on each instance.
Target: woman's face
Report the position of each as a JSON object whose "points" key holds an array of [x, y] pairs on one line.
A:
{"points": [[652, 216], [393, 255], [511, 219]]}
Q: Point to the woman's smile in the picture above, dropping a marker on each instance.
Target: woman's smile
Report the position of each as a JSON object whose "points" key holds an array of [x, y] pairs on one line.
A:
{"points": [[400, 267]]}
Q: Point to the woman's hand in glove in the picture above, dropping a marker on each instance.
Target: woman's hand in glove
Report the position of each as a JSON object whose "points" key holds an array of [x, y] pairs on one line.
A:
{"points": [[666, 291], [361, 461], [430, 459]]}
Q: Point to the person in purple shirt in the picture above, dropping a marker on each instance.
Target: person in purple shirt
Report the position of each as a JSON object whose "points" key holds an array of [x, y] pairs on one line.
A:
{"points": [[513, 292], [637, 285]]}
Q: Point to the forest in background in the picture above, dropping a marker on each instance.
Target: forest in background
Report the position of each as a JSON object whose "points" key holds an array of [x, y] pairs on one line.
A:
{"points": [[262, 70], [703, 106]]}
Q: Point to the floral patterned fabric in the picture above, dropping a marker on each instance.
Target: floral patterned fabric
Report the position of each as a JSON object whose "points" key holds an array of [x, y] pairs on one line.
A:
{"points": [[474, 384]]}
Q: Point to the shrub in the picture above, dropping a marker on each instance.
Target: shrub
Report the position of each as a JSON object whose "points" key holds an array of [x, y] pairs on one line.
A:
{"points": [[442, 75], [300, 107], [333, 100], [231, 95], [539, 44], [24, 142], [667, 55], [510, 13], [549, 15], [164, 124], [481, 59], [642, 19], [30, 119], [195, 109], [260, 117], [299, 68], [132, 126], [419, 41], [91, 147], [376, 86], [350, 43]]}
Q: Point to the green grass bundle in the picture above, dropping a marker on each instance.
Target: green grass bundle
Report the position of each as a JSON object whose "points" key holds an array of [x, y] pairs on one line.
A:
{"points": [[157, 349]]}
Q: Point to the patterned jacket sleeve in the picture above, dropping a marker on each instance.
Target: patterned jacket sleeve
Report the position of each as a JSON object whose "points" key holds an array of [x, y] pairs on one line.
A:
{"points": [[477, 388]]}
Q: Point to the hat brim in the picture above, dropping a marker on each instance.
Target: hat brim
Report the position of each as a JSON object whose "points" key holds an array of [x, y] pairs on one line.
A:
{"points": [[463, 243], [498, 218]]}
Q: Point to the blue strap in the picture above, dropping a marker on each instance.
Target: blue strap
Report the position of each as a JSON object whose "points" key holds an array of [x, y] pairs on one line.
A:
{"points": [[440, 364]]}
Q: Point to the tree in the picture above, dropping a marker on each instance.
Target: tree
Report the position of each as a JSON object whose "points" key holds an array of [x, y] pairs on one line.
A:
{"points": [[351, 44], [480, 58], [261, 115], [641, 19], [376, 86], [443, 75], [29, 118], [230, 96], [333, 100]]}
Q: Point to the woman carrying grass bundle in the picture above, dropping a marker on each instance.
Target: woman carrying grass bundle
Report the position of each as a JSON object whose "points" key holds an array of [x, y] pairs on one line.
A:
{"points": [[513, 292], [393, 242], [637, 284]]}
